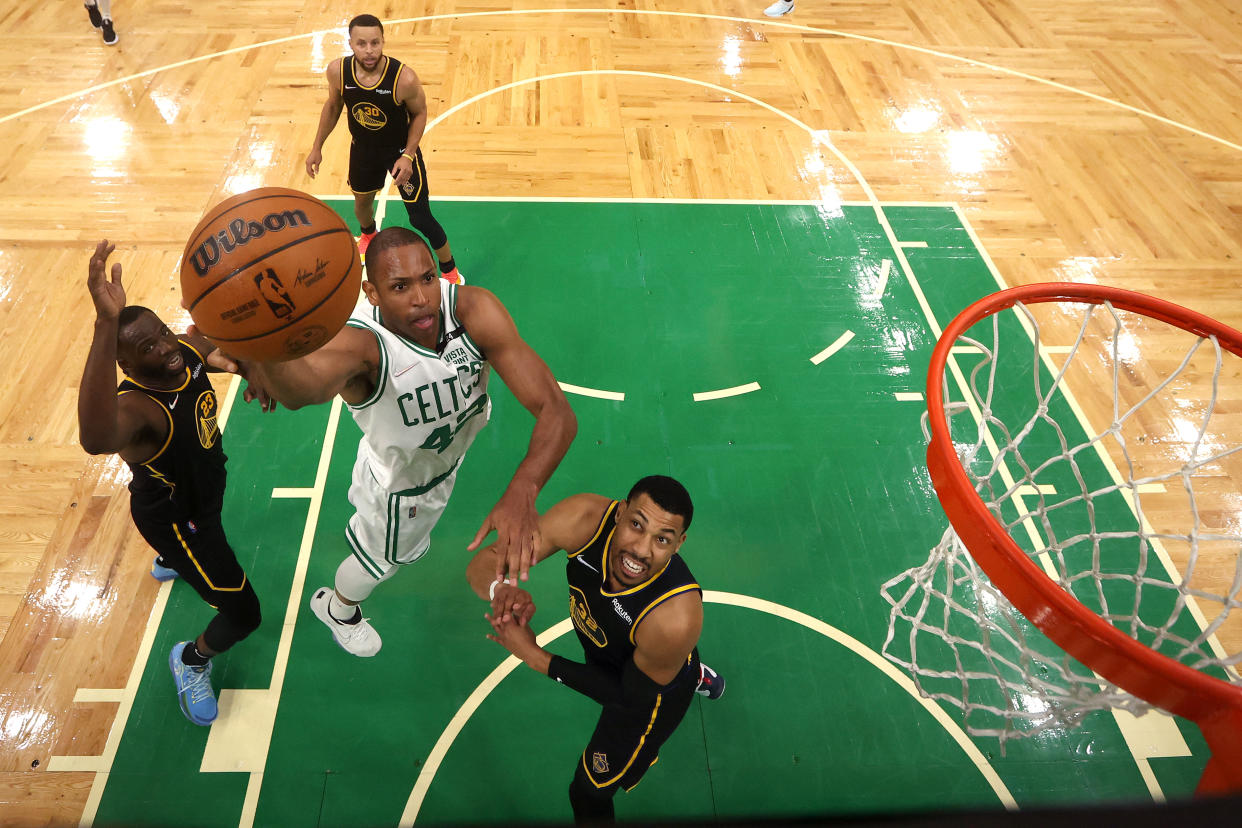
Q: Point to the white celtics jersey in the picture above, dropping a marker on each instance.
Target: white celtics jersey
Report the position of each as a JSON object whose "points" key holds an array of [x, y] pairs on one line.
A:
{"points": [[427, 406]]}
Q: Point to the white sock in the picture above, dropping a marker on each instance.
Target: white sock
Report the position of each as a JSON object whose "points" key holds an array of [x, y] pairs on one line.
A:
{"points": [[105, 8]]}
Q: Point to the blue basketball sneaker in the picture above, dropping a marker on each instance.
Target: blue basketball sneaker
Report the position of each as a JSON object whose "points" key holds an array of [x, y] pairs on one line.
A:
{"points": [[194, 693], [162, 573]]}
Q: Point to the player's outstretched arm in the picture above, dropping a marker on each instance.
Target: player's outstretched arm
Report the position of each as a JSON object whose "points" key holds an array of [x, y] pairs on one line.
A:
{"points": [[347, 365], [107, 423], [328, 116], [528, 377], [567, 525]]}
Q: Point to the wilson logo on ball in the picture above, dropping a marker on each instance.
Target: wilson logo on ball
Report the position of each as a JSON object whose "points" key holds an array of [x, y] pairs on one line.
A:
{"points": [[240, 232]]}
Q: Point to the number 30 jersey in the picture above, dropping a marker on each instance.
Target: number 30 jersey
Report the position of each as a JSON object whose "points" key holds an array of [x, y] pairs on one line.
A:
{"points": [[427, 405]]}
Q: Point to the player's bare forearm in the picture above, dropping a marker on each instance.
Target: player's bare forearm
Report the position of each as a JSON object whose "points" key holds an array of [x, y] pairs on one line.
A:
{"points": [[481, 571], [294, 384], [556, 425]]}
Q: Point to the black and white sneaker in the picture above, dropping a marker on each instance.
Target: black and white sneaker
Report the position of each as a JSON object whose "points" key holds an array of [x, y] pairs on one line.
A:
{"points": [[96, 18], [109, 34], [711, 683]]}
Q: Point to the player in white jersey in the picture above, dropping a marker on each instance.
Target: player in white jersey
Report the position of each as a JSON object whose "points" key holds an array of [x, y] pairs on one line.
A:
{"points": [[412, 364]]}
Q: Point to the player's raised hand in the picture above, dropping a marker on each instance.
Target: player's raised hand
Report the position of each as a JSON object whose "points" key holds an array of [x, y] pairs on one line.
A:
{"points": [[517, 531], [108, 295], [249, 371], [512, 603], [518, 639]]}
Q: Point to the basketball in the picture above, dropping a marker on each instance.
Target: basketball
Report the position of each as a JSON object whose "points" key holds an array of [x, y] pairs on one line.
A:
{"points": [[270, 274]]}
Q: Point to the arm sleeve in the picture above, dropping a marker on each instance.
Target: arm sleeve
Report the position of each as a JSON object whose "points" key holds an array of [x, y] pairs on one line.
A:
{"points": [[633, 687]]}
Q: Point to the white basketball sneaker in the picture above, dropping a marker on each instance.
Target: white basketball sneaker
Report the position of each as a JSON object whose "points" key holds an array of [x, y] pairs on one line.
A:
{"points": [[359, 638], [779, 8]]}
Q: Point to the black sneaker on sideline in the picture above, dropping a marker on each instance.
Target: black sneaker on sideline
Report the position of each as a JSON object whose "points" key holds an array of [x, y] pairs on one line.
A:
{"points": [[96, 18], [711, 683], [109, 34]]}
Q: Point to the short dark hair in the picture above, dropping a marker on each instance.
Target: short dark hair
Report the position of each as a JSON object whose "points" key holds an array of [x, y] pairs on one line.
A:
{"points": [[366, 20], [129, 315], [392, 237], [666, 493]]}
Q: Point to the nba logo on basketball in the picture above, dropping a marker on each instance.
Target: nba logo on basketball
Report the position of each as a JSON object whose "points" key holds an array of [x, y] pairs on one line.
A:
{"points": [[599, 763]]}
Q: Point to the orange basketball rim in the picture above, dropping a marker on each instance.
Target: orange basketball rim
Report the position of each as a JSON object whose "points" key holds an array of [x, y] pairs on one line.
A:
{"points": [[1213, 704]]}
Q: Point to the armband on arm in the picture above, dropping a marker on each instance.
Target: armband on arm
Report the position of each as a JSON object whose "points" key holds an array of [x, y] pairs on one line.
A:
{"points": [[635, 688]]}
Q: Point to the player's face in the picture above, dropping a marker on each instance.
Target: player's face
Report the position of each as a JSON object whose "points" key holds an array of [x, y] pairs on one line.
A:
{"points": [[646, 537], [404, 283], [147, 350], [367, 43]]}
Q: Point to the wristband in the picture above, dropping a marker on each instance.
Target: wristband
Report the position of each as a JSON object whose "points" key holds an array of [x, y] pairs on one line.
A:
{"points": [[491, 592], [407, 155]]}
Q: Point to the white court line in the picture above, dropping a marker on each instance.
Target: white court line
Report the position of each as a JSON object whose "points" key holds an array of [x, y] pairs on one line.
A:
{"points": [[472, 703], [618, 396], [265, 706], [703, 396], [89, 695], [908, 396], [912, 244], [292, 492], [1028, 490], [882, 285], [839, 343]]}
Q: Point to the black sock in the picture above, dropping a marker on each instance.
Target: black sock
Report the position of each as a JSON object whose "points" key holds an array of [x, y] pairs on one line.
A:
{"points": [[370, 228], [191, 657], [447, 267]]}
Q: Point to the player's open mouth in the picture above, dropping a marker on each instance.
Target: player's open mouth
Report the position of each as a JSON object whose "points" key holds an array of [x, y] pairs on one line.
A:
{"points": [[424, 323], [631, 567], [174, 362]]}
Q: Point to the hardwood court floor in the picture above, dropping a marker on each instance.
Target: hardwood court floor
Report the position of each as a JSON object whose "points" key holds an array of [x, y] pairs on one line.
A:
{"points": [[1084, 141]]}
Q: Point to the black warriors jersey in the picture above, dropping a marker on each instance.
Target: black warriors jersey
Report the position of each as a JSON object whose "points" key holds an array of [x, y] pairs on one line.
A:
{"points": [[606, 621], [376, 119], [185, 478]]}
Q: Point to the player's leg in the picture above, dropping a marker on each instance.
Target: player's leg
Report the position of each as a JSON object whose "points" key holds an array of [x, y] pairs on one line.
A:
{"points": [[388, 530], [105, 24], [626, 742], [366, 178], [201, 555], [415, 196]]}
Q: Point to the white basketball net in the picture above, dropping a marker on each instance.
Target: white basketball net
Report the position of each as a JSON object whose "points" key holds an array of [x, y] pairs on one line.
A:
{"points": [[1080, 514]]}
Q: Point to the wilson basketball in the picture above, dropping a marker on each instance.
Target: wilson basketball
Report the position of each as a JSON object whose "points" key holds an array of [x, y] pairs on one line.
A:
{"points": [[270, 274]]}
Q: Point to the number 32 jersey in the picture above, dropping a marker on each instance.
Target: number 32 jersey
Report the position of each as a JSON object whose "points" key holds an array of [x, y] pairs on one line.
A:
{"points": [[427, 405]]}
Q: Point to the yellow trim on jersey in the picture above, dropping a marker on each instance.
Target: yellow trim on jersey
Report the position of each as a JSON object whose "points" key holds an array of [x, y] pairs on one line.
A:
{"points": [[656, 603], [167, 441], [598, 531], [353, 70], [201, 358], [641, 741], [194, 561], [180, 387]]}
